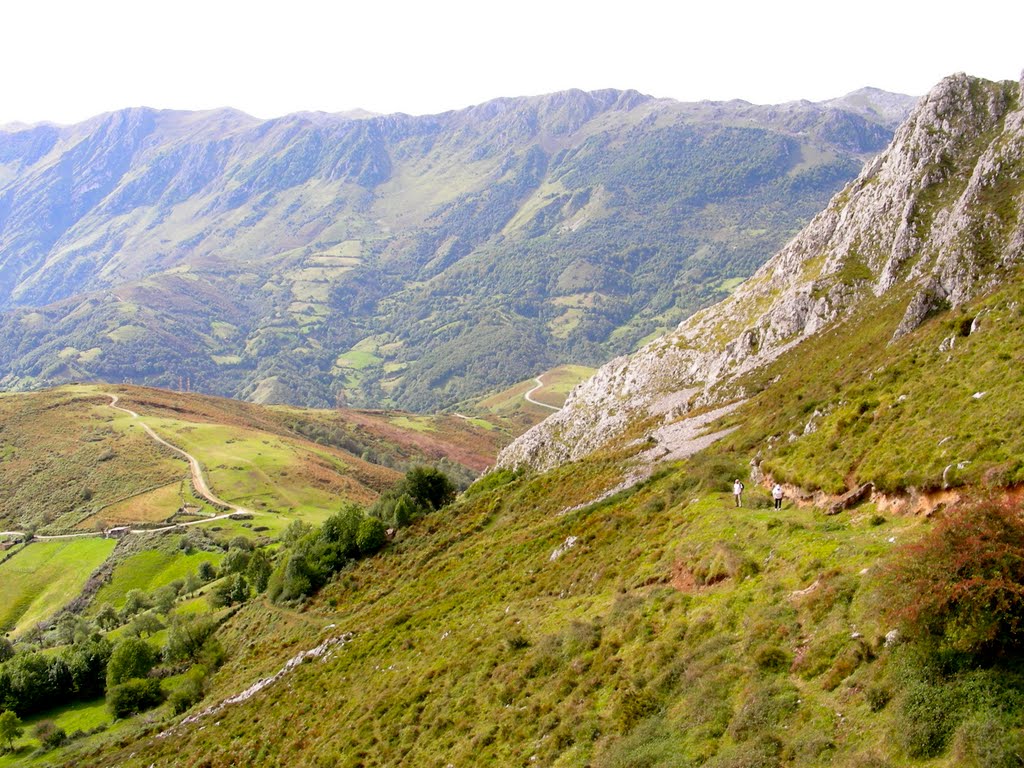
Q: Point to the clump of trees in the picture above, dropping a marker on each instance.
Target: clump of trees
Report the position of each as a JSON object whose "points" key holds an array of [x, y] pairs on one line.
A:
{"points": [[423, 490], [33, 681], [312, 555]]}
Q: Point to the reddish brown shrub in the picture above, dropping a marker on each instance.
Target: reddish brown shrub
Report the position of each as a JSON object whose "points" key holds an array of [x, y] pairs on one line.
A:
{"points": [[963, 584]]}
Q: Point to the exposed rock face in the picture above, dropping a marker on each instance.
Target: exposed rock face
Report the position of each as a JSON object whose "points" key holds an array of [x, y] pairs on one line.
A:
{"points": [[931, 222]]}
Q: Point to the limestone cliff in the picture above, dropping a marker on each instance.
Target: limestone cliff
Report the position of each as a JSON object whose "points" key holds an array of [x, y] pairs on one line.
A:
{"points": [[931, 222]]}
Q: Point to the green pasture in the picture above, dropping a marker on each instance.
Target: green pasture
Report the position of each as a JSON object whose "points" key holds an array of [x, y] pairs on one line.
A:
{"points": [[149, 570], [46, 575]]}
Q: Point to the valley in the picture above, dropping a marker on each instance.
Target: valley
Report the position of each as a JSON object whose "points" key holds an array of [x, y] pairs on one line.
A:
{"points": [[394, 261], [552, 571]]}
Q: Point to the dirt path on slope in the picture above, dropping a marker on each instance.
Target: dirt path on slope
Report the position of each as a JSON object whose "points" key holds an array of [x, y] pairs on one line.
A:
{"points": [[198, 481], [529, 395]]}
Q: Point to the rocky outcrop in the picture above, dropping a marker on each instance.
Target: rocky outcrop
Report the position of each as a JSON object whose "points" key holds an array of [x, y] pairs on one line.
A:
{"points": [[931, 222]]}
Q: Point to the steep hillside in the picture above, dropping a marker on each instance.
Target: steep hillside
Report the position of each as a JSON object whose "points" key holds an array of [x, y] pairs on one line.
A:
{"points": [[69, 461], [932, 223], [319, 259], [563, 617]]}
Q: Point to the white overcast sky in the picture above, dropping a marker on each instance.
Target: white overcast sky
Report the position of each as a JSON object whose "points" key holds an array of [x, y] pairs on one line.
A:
{"points": [[65, 61]]}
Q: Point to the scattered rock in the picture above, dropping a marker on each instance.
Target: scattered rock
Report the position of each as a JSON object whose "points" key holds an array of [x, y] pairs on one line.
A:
{"points": [[569, 543], [892, 637]]}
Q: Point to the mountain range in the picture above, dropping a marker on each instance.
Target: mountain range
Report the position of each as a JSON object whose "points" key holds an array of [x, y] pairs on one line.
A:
{"points": [[625, 587], [393, 260]]}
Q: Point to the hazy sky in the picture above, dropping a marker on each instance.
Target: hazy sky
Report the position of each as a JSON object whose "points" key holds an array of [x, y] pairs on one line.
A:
{"points": [[65, 61]]}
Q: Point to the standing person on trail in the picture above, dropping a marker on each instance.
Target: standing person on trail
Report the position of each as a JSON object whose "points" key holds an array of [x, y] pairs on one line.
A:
{"points": [[737, 491], [777, 495]]}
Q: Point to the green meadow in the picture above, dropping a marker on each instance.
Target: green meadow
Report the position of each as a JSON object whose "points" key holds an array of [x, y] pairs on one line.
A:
{"points": [[42, 578]]}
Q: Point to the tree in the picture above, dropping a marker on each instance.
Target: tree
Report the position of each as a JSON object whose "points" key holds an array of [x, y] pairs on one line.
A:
{"points": [[428, 486], [235, 561], [371, 536], [136, 600], [186, 637], [164, 598], [295, 531], [107, 617], [10, 728], [259, 570], [230, 590], [145, 624], [405, 510], [131, 658], [87, 664], [6, 649], [207, 571]]}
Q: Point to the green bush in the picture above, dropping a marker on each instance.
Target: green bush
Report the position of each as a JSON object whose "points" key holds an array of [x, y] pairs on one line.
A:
{"points": [[634, 706], [877, 696], [134, 696], [772, 658], [189, 690], [371, 536]]}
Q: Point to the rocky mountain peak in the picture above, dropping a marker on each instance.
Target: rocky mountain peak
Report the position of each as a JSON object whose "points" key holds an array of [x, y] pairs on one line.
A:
{"points": [[931, 222]]}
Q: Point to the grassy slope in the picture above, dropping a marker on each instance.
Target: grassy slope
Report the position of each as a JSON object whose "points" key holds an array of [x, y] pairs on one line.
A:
{"points": [[474, 646], [148, 570], [677, 630], [253, 456], [900, 414], [510, 408], [60, 460], [67, 460], [44, 577]]}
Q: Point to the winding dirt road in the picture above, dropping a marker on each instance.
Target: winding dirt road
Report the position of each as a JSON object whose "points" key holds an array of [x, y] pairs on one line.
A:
{"points": [[197, 470], [198, 481], [529, 395]]}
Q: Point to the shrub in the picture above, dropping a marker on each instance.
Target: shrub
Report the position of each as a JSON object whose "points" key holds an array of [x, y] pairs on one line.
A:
{"points": [[189, 690], [772, 658], [634, 706], [50, 734], [134, 696], [963, 585], [877, 696]]}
